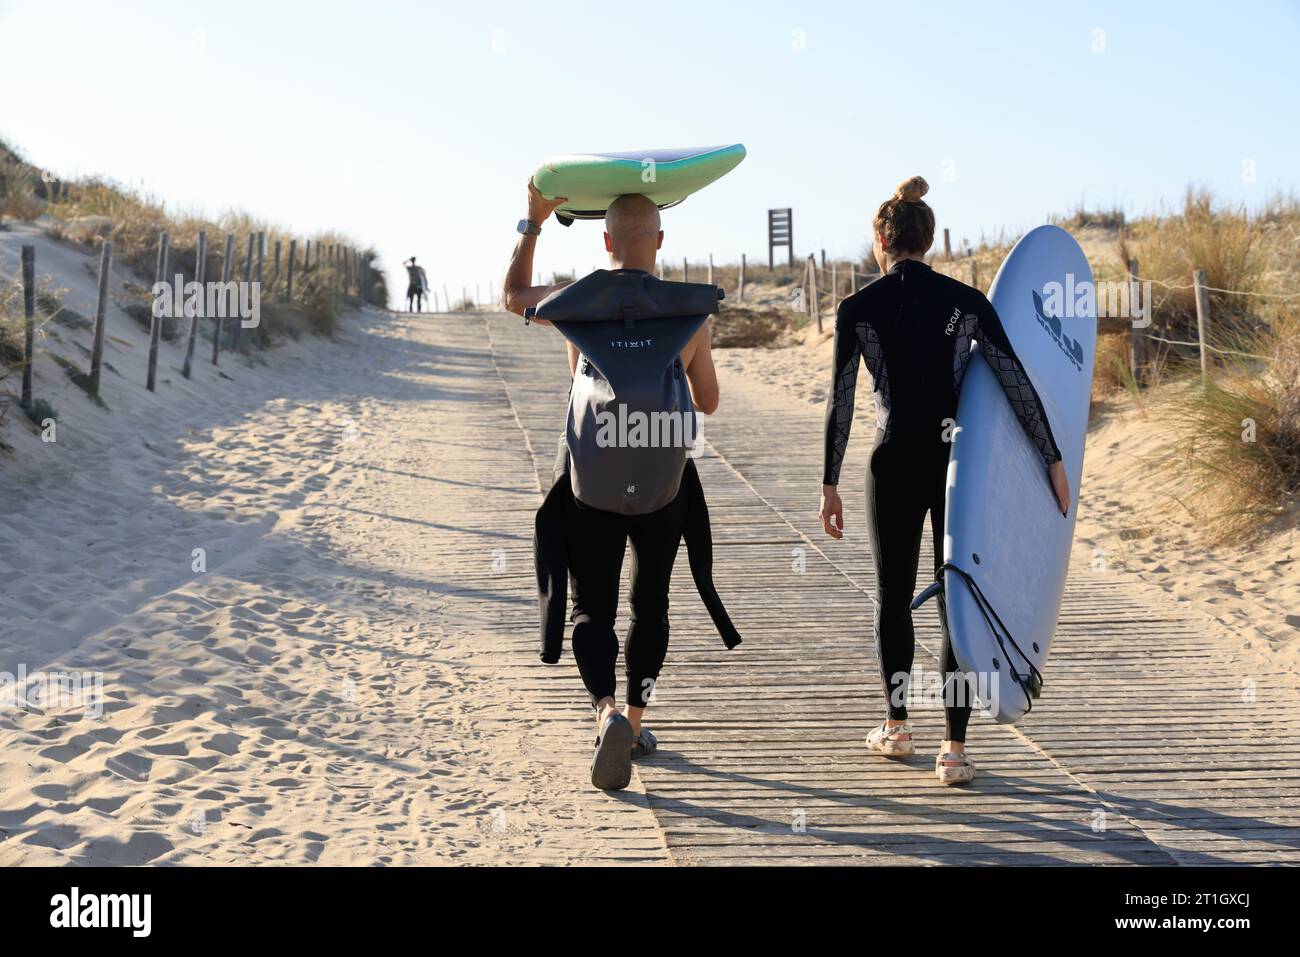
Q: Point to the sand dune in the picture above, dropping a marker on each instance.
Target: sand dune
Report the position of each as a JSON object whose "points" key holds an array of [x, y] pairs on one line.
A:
{"points": [[318, 691]]}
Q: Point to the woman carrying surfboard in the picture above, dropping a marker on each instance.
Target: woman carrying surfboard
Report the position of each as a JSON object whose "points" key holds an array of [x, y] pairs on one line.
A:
{"points": [[914, 328]]}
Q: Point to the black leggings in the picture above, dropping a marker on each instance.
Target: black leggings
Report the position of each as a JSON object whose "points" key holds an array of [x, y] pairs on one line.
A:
{"points": [[596, 546], [902, 486]]}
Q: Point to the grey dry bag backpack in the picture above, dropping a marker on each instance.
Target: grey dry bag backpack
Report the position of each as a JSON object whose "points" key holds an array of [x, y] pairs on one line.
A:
{"points": [[631, 422]]}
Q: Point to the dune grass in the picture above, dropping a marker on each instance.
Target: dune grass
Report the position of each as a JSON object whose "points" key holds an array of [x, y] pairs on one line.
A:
{"points": [[1231, 245], [1233, 462], [99, 208], [1232, 456]]}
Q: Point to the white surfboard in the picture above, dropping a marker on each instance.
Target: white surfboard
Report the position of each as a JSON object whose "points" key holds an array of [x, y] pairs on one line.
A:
{"points": [[1003, 526]]}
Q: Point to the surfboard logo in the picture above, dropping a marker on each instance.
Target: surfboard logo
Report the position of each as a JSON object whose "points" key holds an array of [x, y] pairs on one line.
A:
{"points": [[1072, 348]]}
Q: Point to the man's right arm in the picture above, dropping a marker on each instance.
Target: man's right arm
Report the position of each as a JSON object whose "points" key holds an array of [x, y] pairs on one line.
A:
{"points": [[518, 293]]}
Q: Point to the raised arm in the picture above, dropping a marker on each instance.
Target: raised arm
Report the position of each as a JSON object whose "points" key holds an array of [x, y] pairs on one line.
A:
{"points": [[518, 293]]}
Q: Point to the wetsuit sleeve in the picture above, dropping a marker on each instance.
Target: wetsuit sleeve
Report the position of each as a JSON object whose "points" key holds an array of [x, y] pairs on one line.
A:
{"points": [[839, 403], [1020, 392]]}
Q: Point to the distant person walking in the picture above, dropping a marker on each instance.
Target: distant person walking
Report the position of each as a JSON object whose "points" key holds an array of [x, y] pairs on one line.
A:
{"points": [[417, 286]]}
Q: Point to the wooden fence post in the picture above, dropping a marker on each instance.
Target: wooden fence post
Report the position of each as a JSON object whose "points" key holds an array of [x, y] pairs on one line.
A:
{"points": [[1201, 280], [1136, 341], [835, 283], [275, 270], [823, 259], [219, 320], [947, 245], [101, 314], [685, 270], [853, 277], [974, 274], [29, 322], [200, 274], [740, 286], [813, 303], [306, 257], [710, 269], [804, 287], [238, 332], [155, 323], [288, 282]]}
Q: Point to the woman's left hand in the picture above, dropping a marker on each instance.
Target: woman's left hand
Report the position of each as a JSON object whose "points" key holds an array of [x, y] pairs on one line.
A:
{"points": [[832, 512]]}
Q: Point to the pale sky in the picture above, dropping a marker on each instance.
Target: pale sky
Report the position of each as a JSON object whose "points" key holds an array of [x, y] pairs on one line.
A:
{"points": [[414, 126]]}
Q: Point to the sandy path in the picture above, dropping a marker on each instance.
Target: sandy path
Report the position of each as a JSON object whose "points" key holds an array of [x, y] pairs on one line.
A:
{"points": [[325, 690], [351, 678]]}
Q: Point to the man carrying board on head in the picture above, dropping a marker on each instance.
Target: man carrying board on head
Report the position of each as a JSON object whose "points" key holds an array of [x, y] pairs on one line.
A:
{"points": [[639, 338], [417, 286]]}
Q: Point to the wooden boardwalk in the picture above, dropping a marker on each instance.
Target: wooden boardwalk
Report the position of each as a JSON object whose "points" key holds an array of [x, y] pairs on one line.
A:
{"points": [[1157, 740]]}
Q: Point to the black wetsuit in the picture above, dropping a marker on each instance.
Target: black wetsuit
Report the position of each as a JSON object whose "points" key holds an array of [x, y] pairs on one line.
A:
{"points": [[596, 543], [913, 327]]}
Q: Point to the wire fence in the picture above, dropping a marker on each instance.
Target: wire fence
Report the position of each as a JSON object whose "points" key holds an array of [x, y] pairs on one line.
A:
{"points": [[818, 287]]}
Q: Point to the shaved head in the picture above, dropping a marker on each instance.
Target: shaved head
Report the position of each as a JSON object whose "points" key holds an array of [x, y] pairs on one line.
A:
{"points": [[632, 217]]}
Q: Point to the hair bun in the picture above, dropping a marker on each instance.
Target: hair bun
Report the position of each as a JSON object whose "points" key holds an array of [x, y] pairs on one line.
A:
{"points": [[911, 190]]}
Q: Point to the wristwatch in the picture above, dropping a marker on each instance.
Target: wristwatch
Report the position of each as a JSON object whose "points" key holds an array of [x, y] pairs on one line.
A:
{"points": [[529, 228]]}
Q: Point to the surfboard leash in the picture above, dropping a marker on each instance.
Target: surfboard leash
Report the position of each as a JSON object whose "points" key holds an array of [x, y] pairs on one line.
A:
{"points": [[1030, 683]]}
